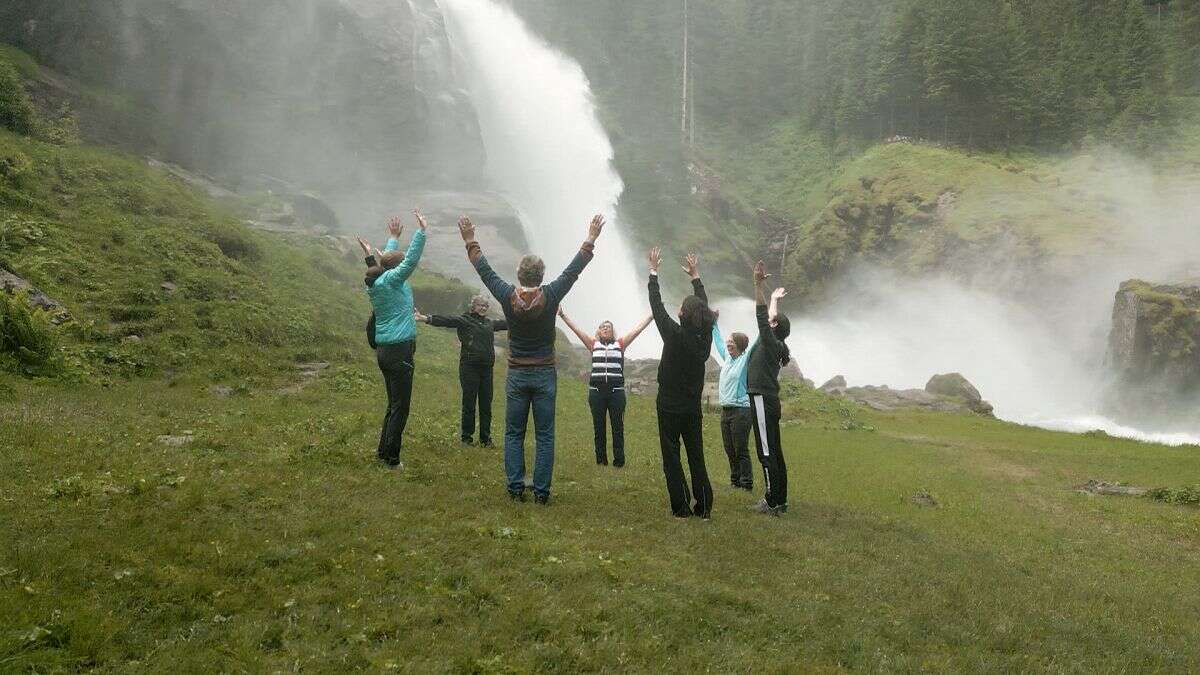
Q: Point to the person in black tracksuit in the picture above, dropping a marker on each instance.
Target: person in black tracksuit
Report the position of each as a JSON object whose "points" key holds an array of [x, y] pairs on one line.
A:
{"points": [[606, 384], [762, 383], [476, 360], [680, 386]]}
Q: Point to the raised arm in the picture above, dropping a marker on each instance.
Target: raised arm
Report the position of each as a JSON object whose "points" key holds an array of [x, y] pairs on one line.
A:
{"points": [[412, 256], [776, 295], [587, 340], [558, 289], [499, 288], [395, 229], [766, 336], [719, 344], [691, 265], [633, 334], [666, 325], [368, 255]]}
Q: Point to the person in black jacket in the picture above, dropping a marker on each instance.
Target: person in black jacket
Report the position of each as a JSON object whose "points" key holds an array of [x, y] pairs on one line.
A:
{"points": [[476, 359], [762, 383], [680, 385]]}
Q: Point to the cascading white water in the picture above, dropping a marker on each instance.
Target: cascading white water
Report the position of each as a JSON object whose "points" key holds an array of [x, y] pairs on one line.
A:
{"points": [[549, 156]]}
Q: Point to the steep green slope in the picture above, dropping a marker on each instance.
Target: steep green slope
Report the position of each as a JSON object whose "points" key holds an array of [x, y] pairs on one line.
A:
{"points": [[159, 278]]}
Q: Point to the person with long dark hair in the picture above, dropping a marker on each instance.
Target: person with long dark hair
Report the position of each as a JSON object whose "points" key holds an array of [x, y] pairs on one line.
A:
{"points": [[686, 344], [395, 330], [762, 383], [606, 384]]}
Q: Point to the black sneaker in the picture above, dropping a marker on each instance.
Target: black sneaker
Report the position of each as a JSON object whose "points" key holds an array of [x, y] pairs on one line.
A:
{"points": [[467, 442], [541, 500], [517, 496], [487, 444], [619, 465]]}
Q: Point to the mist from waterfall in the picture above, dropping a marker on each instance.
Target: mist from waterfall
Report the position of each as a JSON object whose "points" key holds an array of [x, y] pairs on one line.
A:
{"points": [[1038, 356], [549, 156]]}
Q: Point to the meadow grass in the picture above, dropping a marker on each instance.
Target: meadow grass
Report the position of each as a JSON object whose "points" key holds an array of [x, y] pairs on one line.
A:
{"points": [[272, 542]]}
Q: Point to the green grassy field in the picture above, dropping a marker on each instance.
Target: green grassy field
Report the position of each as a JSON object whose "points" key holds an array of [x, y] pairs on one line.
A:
{"points": [[272, 542]]}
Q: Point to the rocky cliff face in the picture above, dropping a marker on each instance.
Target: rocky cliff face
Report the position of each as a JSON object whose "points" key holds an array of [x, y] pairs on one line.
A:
{"points": [[1153, 349], [334, 95]]}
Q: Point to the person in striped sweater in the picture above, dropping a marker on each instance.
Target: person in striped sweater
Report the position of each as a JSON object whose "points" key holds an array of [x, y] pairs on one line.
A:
{"points": [[606, 385]]}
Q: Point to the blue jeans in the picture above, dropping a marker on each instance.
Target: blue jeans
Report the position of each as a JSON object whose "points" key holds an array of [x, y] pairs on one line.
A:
{"points": [[535, 388]]}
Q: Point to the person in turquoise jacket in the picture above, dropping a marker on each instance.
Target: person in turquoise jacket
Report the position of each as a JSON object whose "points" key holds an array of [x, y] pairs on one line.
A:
{"points": [[395, 329], [733, 355]]}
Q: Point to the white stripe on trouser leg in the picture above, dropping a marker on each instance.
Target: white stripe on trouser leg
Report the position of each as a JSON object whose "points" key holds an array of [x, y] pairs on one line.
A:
{"points": [[760, 415]]}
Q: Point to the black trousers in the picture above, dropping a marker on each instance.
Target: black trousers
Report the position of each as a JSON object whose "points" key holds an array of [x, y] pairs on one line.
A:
{"points": [[673, 427], [607, 404], [476, 381], [735, 432], [766, 411], [396, 363]]}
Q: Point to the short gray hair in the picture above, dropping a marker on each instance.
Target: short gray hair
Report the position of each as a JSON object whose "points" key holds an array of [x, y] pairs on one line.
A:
{"points": [[530, 271]]}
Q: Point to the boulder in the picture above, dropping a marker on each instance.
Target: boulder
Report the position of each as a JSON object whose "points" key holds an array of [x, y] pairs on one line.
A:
{"points": [[884, 399], [836, 386], [1152, 352], [11, 283], [954, 385]]}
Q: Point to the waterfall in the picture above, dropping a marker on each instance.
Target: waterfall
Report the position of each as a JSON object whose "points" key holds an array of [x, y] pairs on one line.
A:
{"points": [[549, 156]]}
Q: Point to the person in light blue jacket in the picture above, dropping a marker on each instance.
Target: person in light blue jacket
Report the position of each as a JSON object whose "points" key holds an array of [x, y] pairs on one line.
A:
{"points": [[733, 353], [395, 329]]}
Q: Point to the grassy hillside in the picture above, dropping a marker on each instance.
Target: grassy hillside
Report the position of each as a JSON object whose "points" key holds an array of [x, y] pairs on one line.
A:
{"points": [[919, 207], [160, 279]]}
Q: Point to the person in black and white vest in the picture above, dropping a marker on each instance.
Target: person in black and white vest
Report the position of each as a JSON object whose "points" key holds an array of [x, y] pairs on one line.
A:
{"points": [[606, 386]]}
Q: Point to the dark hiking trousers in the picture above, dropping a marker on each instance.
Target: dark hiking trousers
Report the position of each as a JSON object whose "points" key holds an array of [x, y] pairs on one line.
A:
{"points": [[735, 433], [476, 381], [396, 363], [608, 403], [766, 411], [673, 427]]}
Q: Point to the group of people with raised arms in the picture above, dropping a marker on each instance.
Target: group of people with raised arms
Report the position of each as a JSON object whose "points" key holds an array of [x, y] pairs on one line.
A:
{"points": [[749, 381]]}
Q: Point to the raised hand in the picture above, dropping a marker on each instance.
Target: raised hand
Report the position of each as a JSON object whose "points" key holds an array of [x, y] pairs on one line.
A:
{"points": [[655, 258], [595, 228], [760, 272], [690, 265], [420, 219], [395, 227], [779, 294], [366, 248], [467, 229]]}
